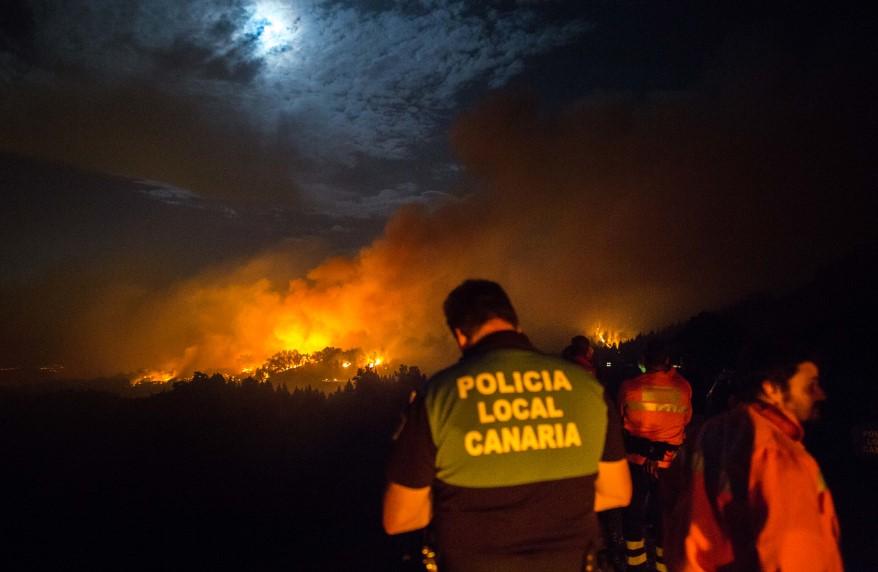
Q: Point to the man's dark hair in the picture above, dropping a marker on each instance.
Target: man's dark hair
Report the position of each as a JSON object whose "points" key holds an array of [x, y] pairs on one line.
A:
{"points": [[580, 343], [656, 355], [475, 302], [578, 347], [776, 362]]}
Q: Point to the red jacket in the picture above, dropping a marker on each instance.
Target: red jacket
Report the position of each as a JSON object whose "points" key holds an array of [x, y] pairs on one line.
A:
{"points": [[656, 406], [777, 515]]}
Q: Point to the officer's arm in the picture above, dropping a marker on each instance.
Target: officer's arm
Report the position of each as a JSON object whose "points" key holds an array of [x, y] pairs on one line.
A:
{"points": [[612, 488], [406, 509]]}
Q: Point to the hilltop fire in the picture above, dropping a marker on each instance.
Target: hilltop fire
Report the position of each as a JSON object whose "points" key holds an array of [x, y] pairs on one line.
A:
{"points": [[607, 337], [327, 363], [153, 376]]}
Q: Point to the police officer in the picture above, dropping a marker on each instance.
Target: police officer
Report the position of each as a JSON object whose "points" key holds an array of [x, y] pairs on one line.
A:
{"points": [[508, 453]]}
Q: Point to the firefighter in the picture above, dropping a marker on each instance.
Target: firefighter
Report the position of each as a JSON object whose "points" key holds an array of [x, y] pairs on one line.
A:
{"points": [[508, 453], [758, 499], [656, 407]]}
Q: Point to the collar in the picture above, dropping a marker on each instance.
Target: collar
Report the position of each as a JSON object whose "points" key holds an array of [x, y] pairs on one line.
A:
{"points": [[789, 427], [506, 339]]}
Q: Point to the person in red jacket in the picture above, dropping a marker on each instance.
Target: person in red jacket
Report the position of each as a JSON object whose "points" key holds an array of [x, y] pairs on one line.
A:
{"points": [[656, 407], [759, 501]]}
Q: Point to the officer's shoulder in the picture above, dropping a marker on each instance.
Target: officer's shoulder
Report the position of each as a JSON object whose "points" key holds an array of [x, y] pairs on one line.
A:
{"points": [[444, 375]]}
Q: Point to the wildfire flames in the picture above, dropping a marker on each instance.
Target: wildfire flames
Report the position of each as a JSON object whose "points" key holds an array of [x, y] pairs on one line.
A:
{"points": [[608, 337], [285, 361], [153, 376]]}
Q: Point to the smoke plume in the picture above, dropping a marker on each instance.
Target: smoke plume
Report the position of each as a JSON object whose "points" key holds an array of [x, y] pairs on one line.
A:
{"points": [[617, 213]]}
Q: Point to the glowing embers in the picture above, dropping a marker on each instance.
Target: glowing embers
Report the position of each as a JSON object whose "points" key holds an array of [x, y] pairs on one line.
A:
{"points": [[327, 364], [153, 376]]}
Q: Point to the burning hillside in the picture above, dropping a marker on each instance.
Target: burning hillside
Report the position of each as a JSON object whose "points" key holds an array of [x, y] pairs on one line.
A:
{"points": [[294, 368]]}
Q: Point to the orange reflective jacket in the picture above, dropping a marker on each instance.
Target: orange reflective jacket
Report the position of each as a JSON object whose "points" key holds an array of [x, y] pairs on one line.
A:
{"points": [[759, 501], [656, 406]]}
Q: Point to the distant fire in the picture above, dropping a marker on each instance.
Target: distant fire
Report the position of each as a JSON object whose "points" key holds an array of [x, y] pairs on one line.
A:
{"points": [[153, 376], [608, 337], [327, 359]]}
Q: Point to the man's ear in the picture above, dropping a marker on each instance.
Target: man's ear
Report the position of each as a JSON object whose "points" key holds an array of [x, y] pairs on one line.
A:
{"points": [[461, 338], [772, 392]]}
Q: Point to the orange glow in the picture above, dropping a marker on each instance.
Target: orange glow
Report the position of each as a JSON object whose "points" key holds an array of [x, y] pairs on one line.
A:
{"points": [[374, 361], [293, 336], [385, 300]]}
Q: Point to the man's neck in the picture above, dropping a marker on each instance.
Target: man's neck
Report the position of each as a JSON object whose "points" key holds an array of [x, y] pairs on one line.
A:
{"points": [[492, 326], [782, 419]]}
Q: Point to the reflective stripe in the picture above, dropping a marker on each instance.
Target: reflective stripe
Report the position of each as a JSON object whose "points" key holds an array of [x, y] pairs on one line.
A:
{"points": [[656, 407], [662, 394], [636, 560], [635, 545], [659, 551], [660, 567], [821, 484]]}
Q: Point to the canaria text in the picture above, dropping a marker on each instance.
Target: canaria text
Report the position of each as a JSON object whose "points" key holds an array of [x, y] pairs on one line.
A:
{"points": [[524, 438]]}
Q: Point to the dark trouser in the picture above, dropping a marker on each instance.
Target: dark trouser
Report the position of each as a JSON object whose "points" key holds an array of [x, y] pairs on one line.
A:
{"points": [[645, 510], [612, 557]]}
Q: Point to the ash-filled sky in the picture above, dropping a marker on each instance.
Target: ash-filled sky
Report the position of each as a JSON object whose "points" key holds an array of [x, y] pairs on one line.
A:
{"points": [[197, 185]]}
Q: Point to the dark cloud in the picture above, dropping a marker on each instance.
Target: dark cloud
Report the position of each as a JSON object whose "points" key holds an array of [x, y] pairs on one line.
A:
{"points": [[186, 56], [140, 131], [16, 27]]}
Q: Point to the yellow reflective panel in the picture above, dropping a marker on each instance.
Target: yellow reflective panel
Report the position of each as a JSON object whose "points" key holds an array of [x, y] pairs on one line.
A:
{"points": [[656, 407]]}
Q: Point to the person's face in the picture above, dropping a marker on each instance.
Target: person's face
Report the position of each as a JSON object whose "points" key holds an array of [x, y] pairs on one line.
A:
{"points": [[804, 392]]}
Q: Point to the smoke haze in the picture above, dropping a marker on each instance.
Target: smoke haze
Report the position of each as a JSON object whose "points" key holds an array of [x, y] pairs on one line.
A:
{"points": [[615, 213]]}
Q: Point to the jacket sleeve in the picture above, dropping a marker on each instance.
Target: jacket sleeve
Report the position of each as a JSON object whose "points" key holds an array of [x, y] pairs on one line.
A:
{"points": [[413, 455], [614, 445]]}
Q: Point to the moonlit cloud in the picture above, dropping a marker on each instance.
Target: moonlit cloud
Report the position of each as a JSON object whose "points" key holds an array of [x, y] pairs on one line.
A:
{"points": [[357, 82], [381, 204], [307, 92]]}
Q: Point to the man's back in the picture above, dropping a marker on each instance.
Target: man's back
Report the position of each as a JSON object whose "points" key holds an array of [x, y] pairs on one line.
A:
{"points": [[657, 406], [509, 453], [518, 436]]}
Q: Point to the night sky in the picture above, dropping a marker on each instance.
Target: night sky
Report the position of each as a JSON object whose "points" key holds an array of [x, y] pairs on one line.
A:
{"points": [[196, 185]]}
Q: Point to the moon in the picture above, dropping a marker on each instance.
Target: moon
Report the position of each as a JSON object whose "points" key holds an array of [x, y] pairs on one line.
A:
{"points": [[274, 25]]}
